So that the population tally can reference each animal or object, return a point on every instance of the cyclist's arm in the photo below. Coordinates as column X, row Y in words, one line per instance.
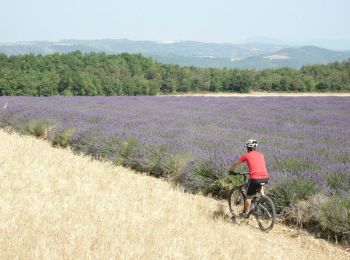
column 235, row 165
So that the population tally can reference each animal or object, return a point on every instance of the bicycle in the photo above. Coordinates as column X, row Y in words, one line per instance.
column 262, row 206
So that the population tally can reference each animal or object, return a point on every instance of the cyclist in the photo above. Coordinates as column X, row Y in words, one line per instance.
column 257, row 172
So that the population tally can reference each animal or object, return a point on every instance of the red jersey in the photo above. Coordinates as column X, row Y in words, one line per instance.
column 256, row 164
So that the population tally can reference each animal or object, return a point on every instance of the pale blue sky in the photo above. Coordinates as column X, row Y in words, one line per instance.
column 201, row 20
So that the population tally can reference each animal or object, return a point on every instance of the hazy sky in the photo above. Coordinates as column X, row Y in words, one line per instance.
column 202, row 20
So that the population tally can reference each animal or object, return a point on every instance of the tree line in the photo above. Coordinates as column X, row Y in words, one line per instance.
column 132, row 74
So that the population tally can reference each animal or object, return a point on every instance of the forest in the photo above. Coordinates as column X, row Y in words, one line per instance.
column 99, row 74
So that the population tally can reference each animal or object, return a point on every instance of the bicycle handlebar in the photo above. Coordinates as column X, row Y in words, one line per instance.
column 239, row 173
column 244, row 174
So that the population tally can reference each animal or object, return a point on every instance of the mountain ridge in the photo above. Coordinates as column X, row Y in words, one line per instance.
column 248, row 55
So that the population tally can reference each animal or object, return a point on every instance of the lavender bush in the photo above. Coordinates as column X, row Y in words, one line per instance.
column 193, row 140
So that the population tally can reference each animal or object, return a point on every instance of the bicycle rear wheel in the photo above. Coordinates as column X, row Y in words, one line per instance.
column 265, row 213
column 236, row 201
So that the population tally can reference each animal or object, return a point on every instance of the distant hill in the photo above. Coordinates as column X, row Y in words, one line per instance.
column 293, row 57
column 177, row 48
column 191, row 53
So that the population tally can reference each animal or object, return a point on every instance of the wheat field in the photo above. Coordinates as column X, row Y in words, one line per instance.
column 58, row 205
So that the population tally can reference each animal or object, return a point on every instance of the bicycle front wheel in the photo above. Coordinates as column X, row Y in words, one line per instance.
column 265, row 213
column 236, row 201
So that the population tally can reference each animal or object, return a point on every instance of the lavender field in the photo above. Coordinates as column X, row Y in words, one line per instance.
column 193, row 140
column 304, row 137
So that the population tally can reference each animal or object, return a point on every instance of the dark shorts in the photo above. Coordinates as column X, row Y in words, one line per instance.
column 255, row 184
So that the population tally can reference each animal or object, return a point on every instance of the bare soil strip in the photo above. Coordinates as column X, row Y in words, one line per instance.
column 265, row 94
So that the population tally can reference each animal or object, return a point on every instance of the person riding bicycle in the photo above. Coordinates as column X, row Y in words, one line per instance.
column 257, row 172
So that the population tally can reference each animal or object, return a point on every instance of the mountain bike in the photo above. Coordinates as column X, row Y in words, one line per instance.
column 262, row 206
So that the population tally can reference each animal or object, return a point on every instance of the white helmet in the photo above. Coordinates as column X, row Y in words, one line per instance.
column 251, row 143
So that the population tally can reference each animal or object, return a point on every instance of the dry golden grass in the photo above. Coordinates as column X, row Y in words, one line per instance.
column 57, row 205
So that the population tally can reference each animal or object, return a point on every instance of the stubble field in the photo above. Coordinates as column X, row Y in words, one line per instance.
column 57, row 205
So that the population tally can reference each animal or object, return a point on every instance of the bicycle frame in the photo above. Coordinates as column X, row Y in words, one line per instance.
column 246, row 183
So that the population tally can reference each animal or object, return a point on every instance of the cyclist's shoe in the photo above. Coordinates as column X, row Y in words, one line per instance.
column 244, row 215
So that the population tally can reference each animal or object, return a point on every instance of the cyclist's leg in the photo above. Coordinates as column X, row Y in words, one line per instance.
column 262, row 183
column 251, row 190
column 247, row 204
column 262, row 190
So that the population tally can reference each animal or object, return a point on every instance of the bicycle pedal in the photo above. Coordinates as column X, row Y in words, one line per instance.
column 237, row 202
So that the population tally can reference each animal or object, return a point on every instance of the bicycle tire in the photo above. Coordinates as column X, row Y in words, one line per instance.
column 265, row 213
column 236, row 201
